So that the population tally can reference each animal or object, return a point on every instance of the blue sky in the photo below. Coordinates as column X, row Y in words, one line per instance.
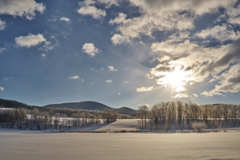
column 120, row 52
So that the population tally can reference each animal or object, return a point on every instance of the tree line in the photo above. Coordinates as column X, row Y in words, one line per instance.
column 179, row 115
column 38, row 119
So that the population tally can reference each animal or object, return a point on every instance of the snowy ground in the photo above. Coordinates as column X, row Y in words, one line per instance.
column 119, row 146
column 121, row 125
column 131, row 125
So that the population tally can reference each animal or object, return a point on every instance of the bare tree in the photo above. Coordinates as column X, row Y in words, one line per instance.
column 143, row 113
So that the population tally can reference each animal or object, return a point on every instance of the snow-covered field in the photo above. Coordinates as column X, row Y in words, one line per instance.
column 6, row 109
column 119, row 146
column 121, row 125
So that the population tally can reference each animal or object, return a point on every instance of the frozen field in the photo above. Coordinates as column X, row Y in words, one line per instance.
column 121, row 124
column 119, row 146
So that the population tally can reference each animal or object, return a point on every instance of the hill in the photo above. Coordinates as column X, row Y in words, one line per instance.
column 86, row 105
column 91, row 105
column 5, row 103
column 126, row 110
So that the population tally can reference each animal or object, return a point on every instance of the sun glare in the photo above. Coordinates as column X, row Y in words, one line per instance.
column 176, row 79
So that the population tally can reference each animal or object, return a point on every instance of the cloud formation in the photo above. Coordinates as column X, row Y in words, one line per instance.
column 233, row 14
column 119, row 39
column 65, row 19
column 44, row 55
column 185, row 47
column 230, row 56
column 1, row 89
column 144, row 89
column 164, row 15
column 182, row 48
column 23, row 8
column 175, row 44
column 228, row 83
column 120, row 19
column 90, row 49
column 112, row 69
column 88, row 8
column 74, row 77
column 181, row 95
column 30, row 40
column 108, row 81
column 219, row 32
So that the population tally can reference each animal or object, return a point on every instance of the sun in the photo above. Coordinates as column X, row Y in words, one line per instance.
column 176, row 79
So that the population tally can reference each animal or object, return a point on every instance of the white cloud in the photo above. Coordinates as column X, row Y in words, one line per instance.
column 164, row 15
column 47, row 46
column 2, row 25
column 181, row 95
column 212, row 64
column 206, row 6
column 234, row 15
column 74, row 77
column 1, row 89
column 207, row 93
column 112, row 69
column 195, row 6
column 92, row 11
column 65, row 19
column 144, row 89
column 90, row 49
column 197, row 62
column 43, row 55
column 200, row 60
column 234, row 20
column 109, row 3
column 108, row 81
column 23, row 8
column 151, row 19
column 195, row 95
column 119, row 39
column 30, row 40
column 219, row 32
column 89, row 7
column 228, row 82
column 120, row 19
column 174, row 48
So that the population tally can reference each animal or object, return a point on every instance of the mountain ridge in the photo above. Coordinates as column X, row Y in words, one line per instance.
column 82, row 105
column 88, row 105
column 92, row 105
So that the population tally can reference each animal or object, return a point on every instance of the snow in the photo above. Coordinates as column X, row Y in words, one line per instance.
column 6, row 109
column 121, row 125
column 119, row 146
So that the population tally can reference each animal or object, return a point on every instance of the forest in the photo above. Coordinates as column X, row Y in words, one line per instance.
column 179, row 115
column 58, row 119
column 165, row 116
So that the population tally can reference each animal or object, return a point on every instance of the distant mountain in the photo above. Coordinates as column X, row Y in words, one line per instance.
column 126, row 110
column 5, row 103
column 91, row 105
column 86, row 105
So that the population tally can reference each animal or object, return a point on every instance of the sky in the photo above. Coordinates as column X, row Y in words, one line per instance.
column 120, row 52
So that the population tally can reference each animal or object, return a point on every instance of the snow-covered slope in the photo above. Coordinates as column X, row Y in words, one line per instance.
column 121, row 125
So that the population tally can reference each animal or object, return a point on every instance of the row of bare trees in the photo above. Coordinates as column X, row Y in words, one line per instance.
column 36, row 119
column 180, row 115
